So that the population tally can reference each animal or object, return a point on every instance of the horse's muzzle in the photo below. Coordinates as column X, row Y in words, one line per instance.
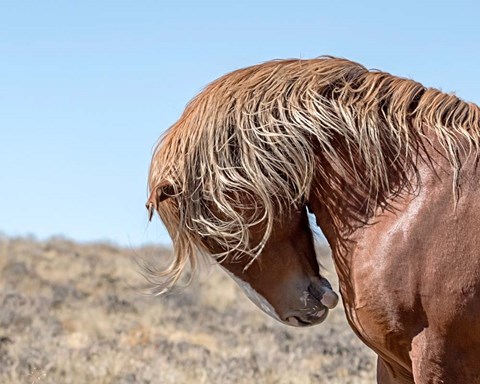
column 317, row 300
column 321, row 290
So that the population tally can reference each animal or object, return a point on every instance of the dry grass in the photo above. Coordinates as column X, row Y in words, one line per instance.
column 73, row 313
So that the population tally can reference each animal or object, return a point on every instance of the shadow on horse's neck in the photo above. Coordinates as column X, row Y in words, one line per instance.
column 347, row 195
column 343, row 206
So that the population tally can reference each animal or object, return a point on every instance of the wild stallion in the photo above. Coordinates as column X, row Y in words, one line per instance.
column 390, row 170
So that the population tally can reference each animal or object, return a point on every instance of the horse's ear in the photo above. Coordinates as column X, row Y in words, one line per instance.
column 161, row 192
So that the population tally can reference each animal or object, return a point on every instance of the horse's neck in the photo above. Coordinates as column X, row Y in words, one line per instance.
column 346, row 195
column 349, row 225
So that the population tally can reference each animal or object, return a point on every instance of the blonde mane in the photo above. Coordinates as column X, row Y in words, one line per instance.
column 255, row 140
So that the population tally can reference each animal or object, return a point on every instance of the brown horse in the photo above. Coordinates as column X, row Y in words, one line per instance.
column 390, row 170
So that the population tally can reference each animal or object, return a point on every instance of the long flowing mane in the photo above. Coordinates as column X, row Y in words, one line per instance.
column 262, row 135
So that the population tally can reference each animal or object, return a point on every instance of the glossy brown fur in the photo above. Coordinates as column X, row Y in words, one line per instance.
column 393, row 182
column 410, row 277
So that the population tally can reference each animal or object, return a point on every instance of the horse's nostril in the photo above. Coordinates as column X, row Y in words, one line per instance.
column 325, row 283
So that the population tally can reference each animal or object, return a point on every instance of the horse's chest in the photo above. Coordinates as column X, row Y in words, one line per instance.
column 402, row 280
column 384, row 322
column 382, row 304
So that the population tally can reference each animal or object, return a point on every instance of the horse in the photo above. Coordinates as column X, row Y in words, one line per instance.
column 389, row 169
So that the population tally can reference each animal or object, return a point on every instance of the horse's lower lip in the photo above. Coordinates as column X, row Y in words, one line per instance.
column 297, row 322
column 309, row 320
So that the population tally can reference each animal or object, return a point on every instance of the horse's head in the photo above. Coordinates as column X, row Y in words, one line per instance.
column 283, row 279
column 237, row 167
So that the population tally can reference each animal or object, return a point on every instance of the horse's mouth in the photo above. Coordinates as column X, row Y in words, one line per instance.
column 308, row 320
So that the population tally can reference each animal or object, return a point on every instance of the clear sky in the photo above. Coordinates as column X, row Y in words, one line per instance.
column 86, row 88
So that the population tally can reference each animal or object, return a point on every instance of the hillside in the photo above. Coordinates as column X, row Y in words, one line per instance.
column 75, row 313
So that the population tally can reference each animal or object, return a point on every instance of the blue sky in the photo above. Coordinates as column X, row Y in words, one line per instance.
column 86, row 88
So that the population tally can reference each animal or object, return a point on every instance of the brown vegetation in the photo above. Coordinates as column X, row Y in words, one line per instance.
column 75, row 313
